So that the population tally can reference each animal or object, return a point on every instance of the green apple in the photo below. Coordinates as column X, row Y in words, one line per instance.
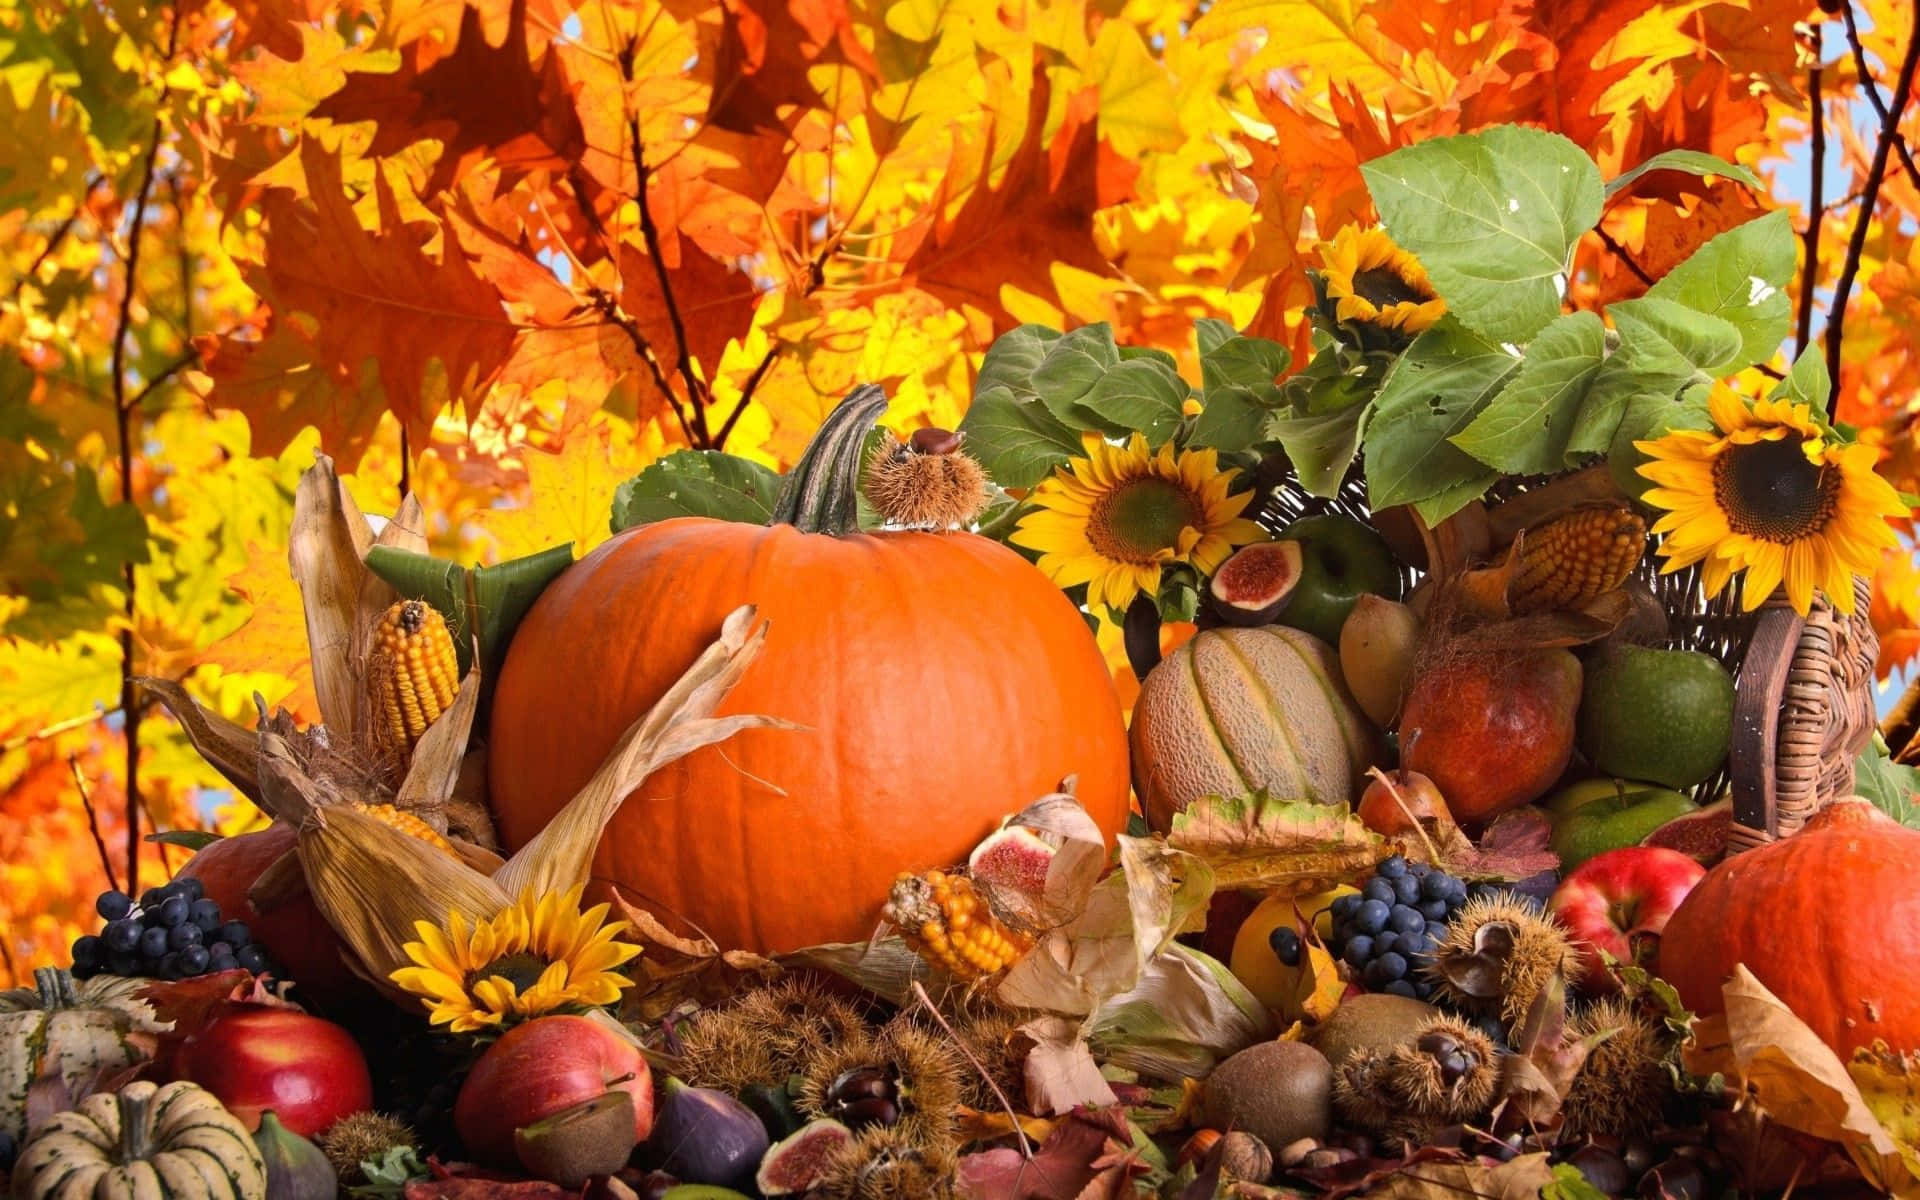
column 1341, row 560
column 1599, row 815
column 1663, row 715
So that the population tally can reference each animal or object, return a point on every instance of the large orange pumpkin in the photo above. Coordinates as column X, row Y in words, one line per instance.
column 1828, row 919
column 943, row 681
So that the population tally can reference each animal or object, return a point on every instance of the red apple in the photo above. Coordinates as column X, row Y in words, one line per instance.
column 310, row 1072
column 1619, row 902
column 541, row 1068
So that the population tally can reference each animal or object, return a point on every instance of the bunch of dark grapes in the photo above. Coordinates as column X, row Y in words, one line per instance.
column 1388, row 931
column 174, row 932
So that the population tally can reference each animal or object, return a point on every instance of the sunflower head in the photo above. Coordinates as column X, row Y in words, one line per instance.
column 1114, row 518
column 538, row 955
column 1771, row 492
column 1371, row 282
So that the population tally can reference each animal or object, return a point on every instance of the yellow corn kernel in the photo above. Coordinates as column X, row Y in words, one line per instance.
column 943, row 918
column 407, row 823
column 415, row 673
column 1576, row 558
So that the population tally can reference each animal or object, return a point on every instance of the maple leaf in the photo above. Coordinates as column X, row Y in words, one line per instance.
column 762, row 52
column 1011, row 233
column 350, row 301
column 273, row 638
column 486, row 100
column 570, row 493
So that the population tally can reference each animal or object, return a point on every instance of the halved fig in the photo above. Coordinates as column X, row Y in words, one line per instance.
column 1252, row 587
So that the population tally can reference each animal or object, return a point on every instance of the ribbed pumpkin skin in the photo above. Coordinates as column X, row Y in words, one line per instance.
column 92, row 1036
column 1236, row 710
column 944, row 680
column 1828, row 919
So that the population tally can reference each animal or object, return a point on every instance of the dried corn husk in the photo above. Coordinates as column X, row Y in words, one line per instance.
column 372, row 882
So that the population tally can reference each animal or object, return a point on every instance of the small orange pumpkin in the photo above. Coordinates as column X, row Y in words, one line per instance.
column 1828, row 919
column 942, row 680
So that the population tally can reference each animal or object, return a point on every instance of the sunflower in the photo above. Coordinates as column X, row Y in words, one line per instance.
column 1767, row 491
column 536, row 955
column 1375, row 282
column 1112, row 519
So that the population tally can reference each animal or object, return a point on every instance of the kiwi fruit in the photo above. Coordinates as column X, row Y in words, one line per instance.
column 1277, row 1091
column 594, row 1138
column 1376, row 1021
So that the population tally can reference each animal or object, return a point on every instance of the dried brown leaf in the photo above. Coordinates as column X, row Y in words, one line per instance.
column 1512, row 848
column 326, row 547
column 1257, row 841
column 1796, row 1079
column 434, row 769
column 1061, row 1074
column 230, row 749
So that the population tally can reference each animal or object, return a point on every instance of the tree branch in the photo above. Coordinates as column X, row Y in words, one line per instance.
column 610, row 309
column 1872, row 91
column 1816, row 199
column 746, row 396
column 54, row 239
column 1870, row 193
column 1620, row 252
column 123, row 412
column 696, row 390
column 93, row 824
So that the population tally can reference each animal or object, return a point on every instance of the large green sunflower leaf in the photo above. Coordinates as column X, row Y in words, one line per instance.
column 1013, row 358
column 1443, row 381
column 1018, row 441
column 1073, row 366
column 1526, row 428
column 1142, row 395
column 1693, row 162
column 1239, row 390
column 697, row 483
column 1740, row 277
column 1493, row 216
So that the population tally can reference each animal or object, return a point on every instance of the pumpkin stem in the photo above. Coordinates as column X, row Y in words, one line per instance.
column 55, row 986
column 136, row 1126
column 822, row 492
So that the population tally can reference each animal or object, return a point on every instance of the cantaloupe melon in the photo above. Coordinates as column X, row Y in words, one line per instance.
column 1234, row 711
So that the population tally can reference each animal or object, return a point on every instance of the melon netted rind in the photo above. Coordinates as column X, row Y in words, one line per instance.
column 1235, row 711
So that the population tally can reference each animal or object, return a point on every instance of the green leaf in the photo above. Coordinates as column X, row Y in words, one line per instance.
column 1139, row 394
column 501, row 594
column 1807, row 382
column 1013, row 358
column 1493, row 216
column 195, row 840
column 1239, row 391
column 1665, row 334
column 1741, row 277
column 1321, row 445
column 1072, row 366
column 1210, row 333
column 1526, row 428
column 388, row 1176
column 697, row 483
column 1893, row 788
column 1648, row 416
column 1442, row 382
column 1693, row 162
column 1569, row 1184
column 1018, row 442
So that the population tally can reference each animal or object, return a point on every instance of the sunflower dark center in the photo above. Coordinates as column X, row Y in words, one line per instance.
column 1384, row 287
column 523, row 970
column 1141, row 517
column 1769, row 491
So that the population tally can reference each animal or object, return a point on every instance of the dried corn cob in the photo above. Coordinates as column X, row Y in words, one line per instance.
column 949, row 925
column 1577, row 557
column 407, row 823
column 414, row 669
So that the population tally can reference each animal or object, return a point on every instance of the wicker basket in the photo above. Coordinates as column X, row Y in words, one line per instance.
column 1803, row 686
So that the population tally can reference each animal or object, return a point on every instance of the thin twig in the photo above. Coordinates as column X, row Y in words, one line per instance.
column 58, row 727
column 54, row 239
column 610, row 309
column 93, row 821
column 1872, row 91
column 1816, row 200
column 1026, row 1147
column 696, row 390
column 1620, row 252
column 123, row 422
column 1870, row 192
column 746, row 396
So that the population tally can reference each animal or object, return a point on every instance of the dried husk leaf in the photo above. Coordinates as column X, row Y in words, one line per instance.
column 1060, row 1072
column 1796, row 1079
column 1182, row 1017
column 231, row 749
column 560, row 855
column 885, row 966
column 438, row 756
column 325, row 545
column 372, row 883
column 1537, row 506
